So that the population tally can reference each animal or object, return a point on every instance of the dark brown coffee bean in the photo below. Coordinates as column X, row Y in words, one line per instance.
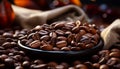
column 89, row 65
column 93, row 31
column 40, row 66
column 71, row 68
column 35, row 44
column 23, row 41
column 36, row 36
column 38, row 61
column 89, row 45
column 61, row 44
column 68, row 33
column 81, row 45
column 9, row 61
column 112, row 61
column 53, row 35
column 52, row 64
column 43, row 32
column 59, row 67
column 78, row 37
column 85, row 28
column 19, row 67
column 37, row 28
column 59, row 25
column 60, row 32
column 76, row 62
column 7, row 45
column 102, row 60
column 70, row 38
column 76, row 29
column 66, row 65
column 75, row 48
column 26, row 64
column 96, row 65
column 104, row 66
column 56, row 49
column 95, row 58
column 65, row 49
column 81, row 66
column 73, row 43
column 46, row 47
column 18, row 57
column 114, row 54
column 8, row 35
column 45, row 38
column 59, row 38
column 29, row 41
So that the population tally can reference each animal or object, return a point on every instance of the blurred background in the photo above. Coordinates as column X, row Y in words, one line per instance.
column 100, row 11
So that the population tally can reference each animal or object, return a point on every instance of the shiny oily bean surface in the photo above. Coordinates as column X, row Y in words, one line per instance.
column 63, row 36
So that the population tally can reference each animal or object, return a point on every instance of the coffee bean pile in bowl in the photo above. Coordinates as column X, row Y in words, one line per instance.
column 68, row 38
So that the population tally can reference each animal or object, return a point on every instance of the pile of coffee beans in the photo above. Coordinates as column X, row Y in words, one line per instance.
column 62, row 36
column 11, row 57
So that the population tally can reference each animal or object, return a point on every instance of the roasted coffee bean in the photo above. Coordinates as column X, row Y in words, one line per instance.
column 26, row 64
column 40, row 66
column 36, row 36
column 60, row 38
column 9, row 61
column 93, row 31
column 61, row 44
column 89, row 45
column 71, row 68
column 38, row 62
column 75, row 48
column 60, row 67
column 114, row 54
column 96, row 65
column 46, row 47
column 81, row 66
column 45, row 38
column 76, row 29
column 8, row 35
column 89, row 65
column 60, row 32
column 7, row 45
column 52, row 64
column 59, row 25
column 61, row 35
column 56, row 49
column 70, row 38
column 95, row 58
column 53, row 35
column 76, row 62
column 19, row 67
column 35, row 44
column 65, row 49
column 104, row 66
column 112, row 61
column 37, row 28
column 43, row 32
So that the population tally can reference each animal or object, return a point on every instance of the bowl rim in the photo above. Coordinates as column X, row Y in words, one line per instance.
column 100, row 43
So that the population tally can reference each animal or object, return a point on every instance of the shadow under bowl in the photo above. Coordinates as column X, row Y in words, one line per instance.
column 61, row 55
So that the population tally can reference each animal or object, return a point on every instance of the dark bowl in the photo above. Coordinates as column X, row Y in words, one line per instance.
column 61, row 55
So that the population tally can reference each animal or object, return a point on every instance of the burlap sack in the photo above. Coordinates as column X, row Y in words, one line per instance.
column 30, row 18
column 111, row 34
